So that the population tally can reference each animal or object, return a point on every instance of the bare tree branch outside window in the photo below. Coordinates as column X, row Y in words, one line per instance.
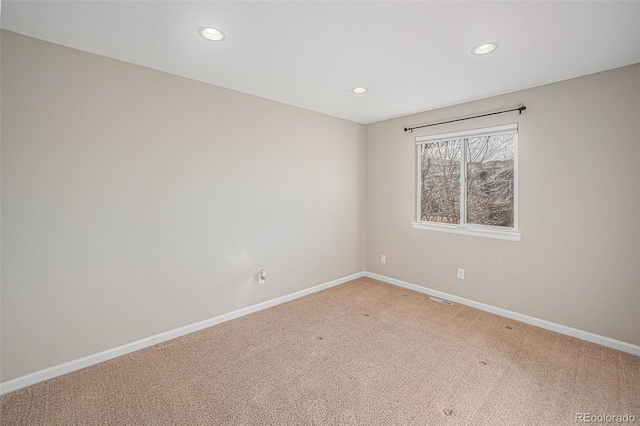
column 441, row 182
column 489, row 185
column 490, row 180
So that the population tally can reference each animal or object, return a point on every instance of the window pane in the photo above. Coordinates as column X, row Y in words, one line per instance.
column 440, row 167
column 490, row 187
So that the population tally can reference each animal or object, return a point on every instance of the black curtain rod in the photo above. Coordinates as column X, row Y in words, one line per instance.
column 522, row 108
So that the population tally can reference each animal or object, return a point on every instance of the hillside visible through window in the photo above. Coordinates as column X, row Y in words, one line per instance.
column 490, row 180
column 487, row 168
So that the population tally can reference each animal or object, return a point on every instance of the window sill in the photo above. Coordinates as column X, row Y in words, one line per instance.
column 476, row 232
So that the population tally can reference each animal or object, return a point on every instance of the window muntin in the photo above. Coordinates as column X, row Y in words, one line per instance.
column 469, row 179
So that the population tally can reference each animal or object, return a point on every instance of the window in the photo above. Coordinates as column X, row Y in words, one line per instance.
column 467, row 182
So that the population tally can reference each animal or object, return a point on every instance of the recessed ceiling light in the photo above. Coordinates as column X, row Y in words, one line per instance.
column 359, row 90
column 211, row 33
column 485, row 48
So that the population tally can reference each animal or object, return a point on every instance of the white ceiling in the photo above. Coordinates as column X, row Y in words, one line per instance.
column 413, row 56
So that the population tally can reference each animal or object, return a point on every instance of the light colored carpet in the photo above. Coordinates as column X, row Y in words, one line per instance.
column 364, row 352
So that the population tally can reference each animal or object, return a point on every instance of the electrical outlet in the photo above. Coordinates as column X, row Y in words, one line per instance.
column 383, row 258
column 262, row 276
column 461, row 273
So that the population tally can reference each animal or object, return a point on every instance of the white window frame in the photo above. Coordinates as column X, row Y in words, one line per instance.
column 498, row 232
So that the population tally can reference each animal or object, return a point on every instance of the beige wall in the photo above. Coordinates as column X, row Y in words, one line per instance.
column 578, row 262
column 135, row 202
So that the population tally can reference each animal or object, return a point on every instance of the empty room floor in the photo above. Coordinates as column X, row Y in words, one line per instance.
column 364, row 352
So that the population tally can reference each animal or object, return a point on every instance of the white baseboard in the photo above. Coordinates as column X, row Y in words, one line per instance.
column 547, row 325
column 87, row 361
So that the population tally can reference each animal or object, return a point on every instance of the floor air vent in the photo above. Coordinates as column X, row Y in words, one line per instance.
column 437, row 299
